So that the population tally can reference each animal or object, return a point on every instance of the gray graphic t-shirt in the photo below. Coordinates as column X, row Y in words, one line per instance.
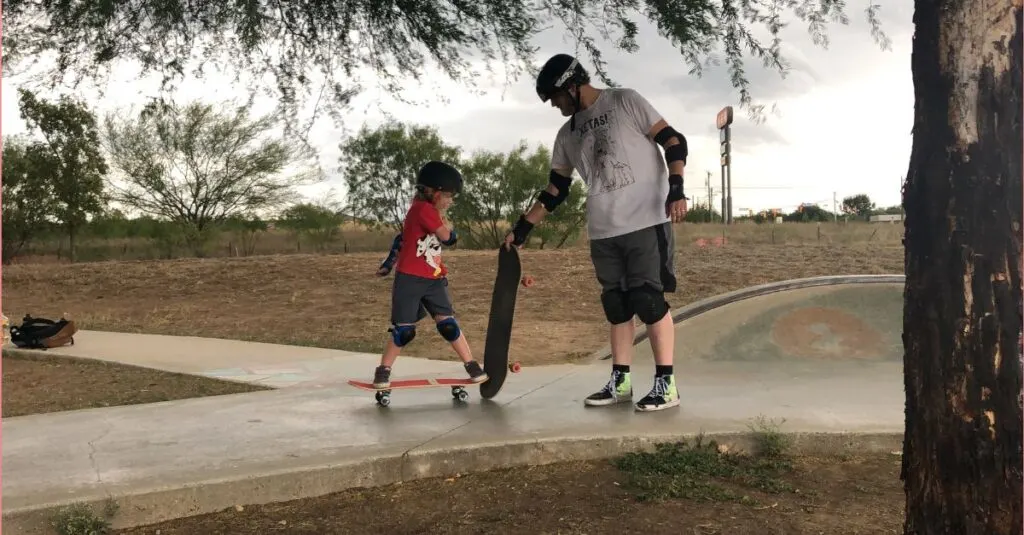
column 625, row 172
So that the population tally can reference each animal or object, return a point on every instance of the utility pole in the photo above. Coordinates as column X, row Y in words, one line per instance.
column 707, row 186
column 835, row 209
column 711, row 199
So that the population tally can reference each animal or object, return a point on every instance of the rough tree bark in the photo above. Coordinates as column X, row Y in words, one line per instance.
column 962, row 316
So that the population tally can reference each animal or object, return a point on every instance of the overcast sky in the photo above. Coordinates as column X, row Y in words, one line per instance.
column 842, row 127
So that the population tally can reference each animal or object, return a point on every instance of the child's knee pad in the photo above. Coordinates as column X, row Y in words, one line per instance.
column 449, row 329
column 402, row 334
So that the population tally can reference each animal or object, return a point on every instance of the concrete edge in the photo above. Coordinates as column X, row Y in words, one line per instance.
column 705, row 305
column 161, row 504
column 18, row 352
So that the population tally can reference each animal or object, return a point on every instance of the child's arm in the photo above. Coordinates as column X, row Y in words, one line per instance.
column 389, row 262
column 446, row 235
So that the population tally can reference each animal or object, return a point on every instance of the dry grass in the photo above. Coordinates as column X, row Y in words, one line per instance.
column 36, row 384
column 335, row 301
column 356, row 238
column 836, row 496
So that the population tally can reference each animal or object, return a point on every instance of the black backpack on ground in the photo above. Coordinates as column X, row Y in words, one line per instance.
column 42, row 333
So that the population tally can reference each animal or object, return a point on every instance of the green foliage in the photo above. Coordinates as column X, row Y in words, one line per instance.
column 197, row 165
column 72, row 163
column 500, row 187
column 313, row 50
column 702, row 472
column 28, row 201
column 859, row 205
column 700, row 213
column 807, row 214
column 80, row 519
column 380, row 167
column 247, row 230
column 319, row 224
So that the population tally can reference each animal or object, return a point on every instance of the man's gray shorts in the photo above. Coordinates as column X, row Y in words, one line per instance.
column 414, row 298
column 642, row 257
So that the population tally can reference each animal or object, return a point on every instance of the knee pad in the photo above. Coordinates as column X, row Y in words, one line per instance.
column 449, row 329
column 617, row 307
column 402, row 334
column 649, row 304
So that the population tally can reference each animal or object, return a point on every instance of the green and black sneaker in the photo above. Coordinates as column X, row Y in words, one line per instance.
column 664, row 395
column 617, row 390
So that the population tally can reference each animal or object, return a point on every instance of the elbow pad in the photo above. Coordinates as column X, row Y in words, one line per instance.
column 562, row 184
column 675, row 153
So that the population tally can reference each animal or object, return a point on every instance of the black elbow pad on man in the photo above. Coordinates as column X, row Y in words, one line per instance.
column 677, row 152
column 563, row 184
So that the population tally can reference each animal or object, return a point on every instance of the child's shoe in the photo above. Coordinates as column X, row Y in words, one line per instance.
column 476, row 373
column 382, row 377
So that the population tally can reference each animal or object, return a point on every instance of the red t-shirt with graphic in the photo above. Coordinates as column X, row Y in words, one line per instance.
column 420, row 254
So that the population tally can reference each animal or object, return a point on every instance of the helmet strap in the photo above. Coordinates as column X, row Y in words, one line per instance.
column 576, row 109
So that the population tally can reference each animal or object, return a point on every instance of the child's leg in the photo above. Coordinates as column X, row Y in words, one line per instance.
column 405, row 312
column 449, row 329
column 438, row 303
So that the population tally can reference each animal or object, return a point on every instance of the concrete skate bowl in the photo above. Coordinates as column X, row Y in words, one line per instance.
column 857, row 318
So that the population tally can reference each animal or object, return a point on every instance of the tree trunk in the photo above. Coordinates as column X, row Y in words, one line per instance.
column 962, row 315
column 71, row 243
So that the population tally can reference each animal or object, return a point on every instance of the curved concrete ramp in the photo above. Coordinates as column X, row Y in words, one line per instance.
column 822, row 319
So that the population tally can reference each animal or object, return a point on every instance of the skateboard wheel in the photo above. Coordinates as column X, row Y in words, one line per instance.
column 462, row 395
column 384, row 401
column 515, row 367
column 527, row 281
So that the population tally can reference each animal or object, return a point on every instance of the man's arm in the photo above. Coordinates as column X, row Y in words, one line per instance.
column 666, row 136
column 559, row 184
column 676, row 151
column 648, row 120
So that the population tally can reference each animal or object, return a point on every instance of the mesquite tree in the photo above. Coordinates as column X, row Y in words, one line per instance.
column 962, row 315
column 305, row 51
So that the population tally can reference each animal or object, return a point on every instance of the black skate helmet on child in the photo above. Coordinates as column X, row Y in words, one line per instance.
column 558, row 74
column 439, row 176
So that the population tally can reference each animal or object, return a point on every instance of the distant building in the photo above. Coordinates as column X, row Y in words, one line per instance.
column 886, row 218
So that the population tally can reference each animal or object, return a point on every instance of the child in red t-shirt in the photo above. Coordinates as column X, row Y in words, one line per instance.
column 421, row 283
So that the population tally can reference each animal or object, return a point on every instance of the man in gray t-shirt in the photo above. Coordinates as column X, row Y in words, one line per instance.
column 634, row 193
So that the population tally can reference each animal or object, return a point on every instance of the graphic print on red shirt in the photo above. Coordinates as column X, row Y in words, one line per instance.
column 421, row 249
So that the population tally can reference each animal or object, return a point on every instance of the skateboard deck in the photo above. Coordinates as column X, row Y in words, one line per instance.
column 383, row 395
column 499, row 323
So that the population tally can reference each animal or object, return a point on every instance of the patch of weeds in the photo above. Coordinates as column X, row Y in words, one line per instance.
column 768, row 440
column 702, row 472
column 80, row 519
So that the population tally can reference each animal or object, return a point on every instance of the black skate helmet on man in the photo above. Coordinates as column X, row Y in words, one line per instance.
column 440, row 176
column 558, row 74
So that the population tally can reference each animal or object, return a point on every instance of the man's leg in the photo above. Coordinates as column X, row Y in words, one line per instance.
column 406, row 294
column 438, row 302
column 662, row 333
column 610, row 268
column 649, row 276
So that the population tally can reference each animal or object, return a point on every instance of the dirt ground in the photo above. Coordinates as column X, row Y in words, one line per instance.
column 834, row 496
column 48, row 383
column 335, row 301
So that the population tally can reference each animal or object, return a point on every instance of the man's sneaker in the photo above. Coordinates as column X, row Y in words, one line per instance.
column 663, row 396
column 617, row 390
column 382, row 377
column 476, row 373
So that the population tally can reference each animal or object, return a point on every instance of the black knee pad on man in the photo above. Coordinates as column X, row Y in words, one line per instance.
column 648, row 304
column 617, row 306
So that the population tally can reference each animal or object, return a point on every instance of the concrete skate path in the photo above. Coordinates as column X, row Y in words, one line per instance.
column 787, row 354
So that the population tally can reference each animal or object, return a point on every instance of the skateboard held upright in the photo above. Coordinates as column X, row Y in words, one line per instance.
column 499, row 324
